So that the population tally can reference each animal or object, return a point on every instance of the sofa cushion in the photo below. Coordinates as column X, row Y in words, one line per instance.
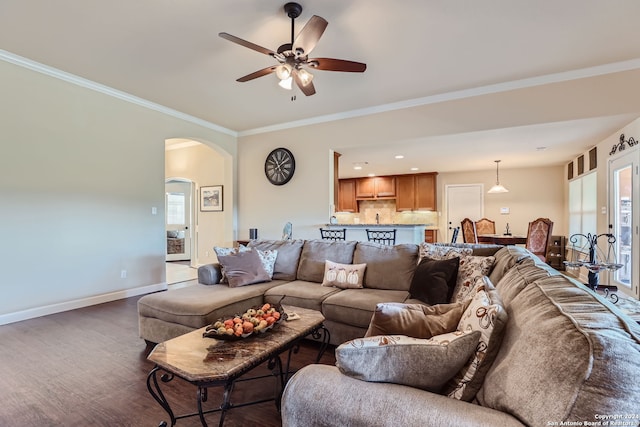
column 300, row 293
column 316, row 252
column 434, row 280
column 486, row 314
column 567, row 355
column 422, row 363
column 519, row 276
column 388, row 267
column 199, row 305
column 507, row 257
column 415, row 320
column 441, row 251
column 471, row 269
column 343, row 276
column 243, row 268
column 287, row 259
column 355, row 307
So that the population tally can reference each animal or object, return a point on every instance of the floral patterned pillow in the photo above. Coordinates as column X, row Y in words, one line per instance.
column 267, row 258
column 471, row 269
column 422, row 363
column 343, row 276
column 487, row 315
column 429, row 250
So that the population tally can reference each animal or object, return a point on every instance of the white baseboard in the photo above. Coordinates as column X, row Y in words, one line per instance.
column 79, row 303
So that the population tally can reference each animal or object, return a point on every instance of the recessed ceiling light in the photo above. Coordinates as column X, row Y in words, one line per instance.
column 541, row 148
column 399, row 156
column 357, row 167
column 414, row 169
column 371, row 174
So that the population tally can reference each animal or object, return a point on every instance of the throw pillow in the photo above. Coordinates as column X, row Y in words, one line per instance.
column 425, row 364
column 434, row 280
column 243, row 268
column 470, row 270
column 415, row 320
column 343, row 276
column 267, row 257
column 487, row 315
column 429, row 250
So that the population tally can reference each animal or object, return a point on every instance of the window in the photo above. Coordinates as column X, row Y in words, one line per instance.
column 583, row 206
column 175, row 209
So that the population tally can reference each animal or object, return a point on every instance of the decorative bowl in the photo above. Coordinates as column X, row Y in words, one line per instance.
column 233, row 328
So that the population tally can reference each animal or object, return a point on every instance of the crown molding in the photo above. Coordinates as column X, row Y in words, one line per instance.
column 97, row 87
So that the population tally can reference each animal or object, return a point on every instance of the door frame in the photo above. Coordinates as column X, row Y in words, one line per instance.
column 192, row 229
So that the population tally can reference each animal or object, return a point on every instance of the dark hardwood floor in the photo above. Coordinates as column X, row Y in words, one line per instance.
column 87, row 367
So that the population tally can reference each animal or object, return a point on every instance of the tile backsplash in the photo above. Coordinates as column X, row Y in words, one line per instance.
column 386, row 209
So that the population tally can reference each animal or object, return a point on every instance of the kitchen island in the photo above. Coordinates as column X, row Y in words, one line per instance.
column 405, row 233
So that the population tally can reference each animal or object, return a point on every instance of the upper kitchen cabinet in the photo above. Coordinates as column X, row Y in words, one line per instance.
column 416, row 192
column 378, row 187
column 347, row 196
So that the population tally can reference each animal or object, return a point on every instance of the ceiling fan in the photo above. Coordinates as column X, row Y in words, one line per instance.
column 293, row 57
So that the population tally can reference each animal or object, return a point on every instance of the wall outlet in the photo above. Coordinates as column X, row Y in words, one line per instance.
column 154, row 211
column 123, row 274
column 206, row 254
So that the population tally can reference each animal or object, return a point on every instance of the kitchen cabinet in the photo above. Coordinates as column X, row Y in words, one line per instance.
column 378, row 187
column 416, row 192
column 430, row 236
column 347, row 196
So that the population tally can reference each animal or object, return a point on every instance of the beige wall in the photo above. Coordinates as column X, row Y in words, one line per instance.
column 205, row 167
column 533, row 193
column 79, row 174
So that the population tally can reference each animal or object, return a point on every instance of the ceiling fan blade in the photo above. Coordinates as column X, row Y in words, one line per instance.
column 250, row 45
column 309, row 36
column 331, row 64
column 257, row 74
column 309, row 89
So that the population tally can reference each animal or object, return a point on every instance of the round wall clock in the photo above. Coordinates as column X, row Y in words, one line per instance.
column 279, row 166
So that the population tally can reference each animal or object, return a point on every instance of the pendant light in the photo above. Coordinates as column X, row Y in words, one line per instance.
column 497, row 188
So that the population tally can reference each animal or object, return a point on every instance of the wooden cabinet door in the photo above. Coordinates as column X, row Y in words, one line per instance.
column 385, row 186
column 430, row 236
column 365, row 188
column 425, row 194
column 405, row 192
column 347, row 196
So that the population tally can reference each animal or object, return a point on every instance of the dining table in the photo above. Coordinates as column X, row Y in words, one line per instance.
column 502, row 239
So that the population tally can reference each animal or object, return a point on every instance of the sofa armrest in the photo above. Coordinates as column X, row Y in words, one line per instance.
column 209, row 274
column 319, row 395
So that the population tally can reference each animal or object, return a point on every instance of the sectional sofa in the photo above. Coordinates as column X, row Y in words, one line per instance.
column 297, row 277
column 566, row 356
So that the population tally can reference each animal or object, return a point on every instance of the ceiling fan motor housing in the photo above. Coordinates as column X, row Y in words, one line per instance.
column 293, row 10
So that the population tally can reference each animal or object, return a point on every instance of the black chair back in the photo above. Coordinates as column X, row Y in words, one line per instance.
column 333, row 233
column 386, row 237
column 454, row 234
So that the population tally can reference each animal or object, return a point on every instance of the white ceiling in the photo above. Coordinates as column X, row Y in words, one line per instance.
column 491, row 79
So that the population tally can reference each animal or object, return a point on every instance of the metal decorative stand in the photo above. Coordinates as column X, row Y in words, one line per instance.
column 596, row 262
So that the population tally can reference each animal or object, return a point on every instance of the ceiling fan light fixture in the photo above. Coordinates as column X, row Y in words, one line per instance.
column 305, row 76
column 283, row 71
column 286, row 83
column 498, row 188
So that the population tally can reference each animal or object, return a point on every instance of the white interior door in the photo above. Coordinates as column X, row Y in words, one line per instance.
column 623, row 218
column 178, row 217
column 463, row 201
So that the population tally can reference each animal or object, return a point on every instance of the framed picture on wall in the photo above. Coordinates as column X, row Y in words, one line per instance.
column 211, row 198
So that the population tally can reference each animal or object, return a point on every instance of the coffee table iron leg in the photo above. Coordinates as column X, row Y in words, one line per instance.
column 154, row 389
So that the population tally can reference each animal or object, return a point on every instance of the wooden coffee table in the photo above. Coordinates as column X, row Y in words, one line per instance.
column 208, row 362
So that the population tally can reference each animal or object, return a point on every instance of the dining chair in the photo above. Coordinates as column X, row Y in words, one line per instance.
column 539, row 237
column 454, row 234
column 485, row 226
column 333, row 234
column 469, row 234
column 386, row 237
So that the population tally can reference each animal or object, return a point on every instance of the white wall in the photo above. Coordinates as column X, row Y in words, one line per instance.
column 79, row 174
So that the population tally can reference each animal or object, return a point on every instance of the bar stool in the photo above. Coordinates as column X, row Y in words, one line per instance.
column 385, row 237
column 333, row 234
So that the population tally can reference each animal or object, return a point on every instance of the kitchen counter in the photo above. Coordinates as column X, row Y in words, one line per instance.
column 405, row 233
